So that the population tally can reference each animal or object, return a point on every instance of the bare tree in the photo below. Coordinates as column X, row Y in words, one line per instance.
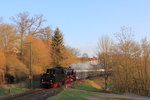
column 104, row 54
column 145, row 45
column 125, row 37
column 45, row 34
column 27, row 25
column 8, row 37
column 130, row 62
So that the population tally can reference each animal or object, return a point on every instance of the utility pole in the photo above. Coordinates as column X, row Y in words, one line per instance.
column 30, row 65
column 31, row 77
column 30, row 58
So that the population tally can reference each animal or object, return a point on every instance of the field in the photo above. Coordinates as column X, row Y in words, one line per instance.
column 88, row 89
column 69, row 94
column 11, row 89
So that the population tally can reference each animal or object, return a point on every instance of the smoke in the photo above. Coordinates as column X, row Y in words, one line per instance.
column 82, row 66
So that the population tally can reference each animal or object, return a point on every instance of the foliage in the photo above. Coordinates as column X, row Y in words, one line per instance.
column 69, row 56
column 40, row 55
column 8, row 37
column 57, row 47
column 129, row 61
column 17, row 69
column 2, row 67
column 72, row 95
column 2, row 60
column 84, row 58
column 47, row 50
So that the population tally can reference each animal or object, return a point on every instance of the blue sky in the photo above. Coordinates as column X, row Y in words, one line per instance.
column 83, row 22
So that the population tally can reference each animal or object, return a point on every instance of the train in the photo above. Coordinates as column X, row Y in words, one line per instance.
column 58, row 76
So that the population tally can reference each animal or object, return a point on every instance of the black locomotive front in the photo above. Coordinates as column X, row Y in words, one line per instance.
column 57, row 76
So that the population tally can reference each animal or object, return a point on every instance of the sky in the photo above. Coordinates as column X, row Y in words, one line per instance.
column 84, row 22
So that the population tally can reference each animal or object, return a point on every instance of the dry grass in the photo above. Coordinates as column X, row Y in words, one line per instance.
column 93, row 84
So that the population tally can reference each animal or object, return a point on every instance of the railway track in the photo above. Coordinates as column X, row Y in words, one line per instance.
column 40, row 93
column 36, row 94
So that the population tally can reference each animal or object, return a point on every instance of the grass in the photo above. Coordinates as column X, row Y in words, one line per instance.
column 10, row 89
column 68, row 94
column 2, row 91
column 94, row 84
column 85, row 86
column 36, row 84
column 90, row 85
column 116, row 99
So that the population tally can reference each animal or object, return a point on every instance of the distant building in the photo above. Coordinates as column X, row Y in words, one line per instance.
column 92, row 60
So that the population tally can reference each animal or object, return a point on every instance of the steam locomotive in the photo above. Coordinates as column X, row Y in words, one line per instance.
column 57, row 76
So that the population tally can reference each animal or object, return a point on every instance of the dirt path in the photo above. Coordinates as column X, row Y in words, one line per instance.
column 103, row 95
column 129, row 96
